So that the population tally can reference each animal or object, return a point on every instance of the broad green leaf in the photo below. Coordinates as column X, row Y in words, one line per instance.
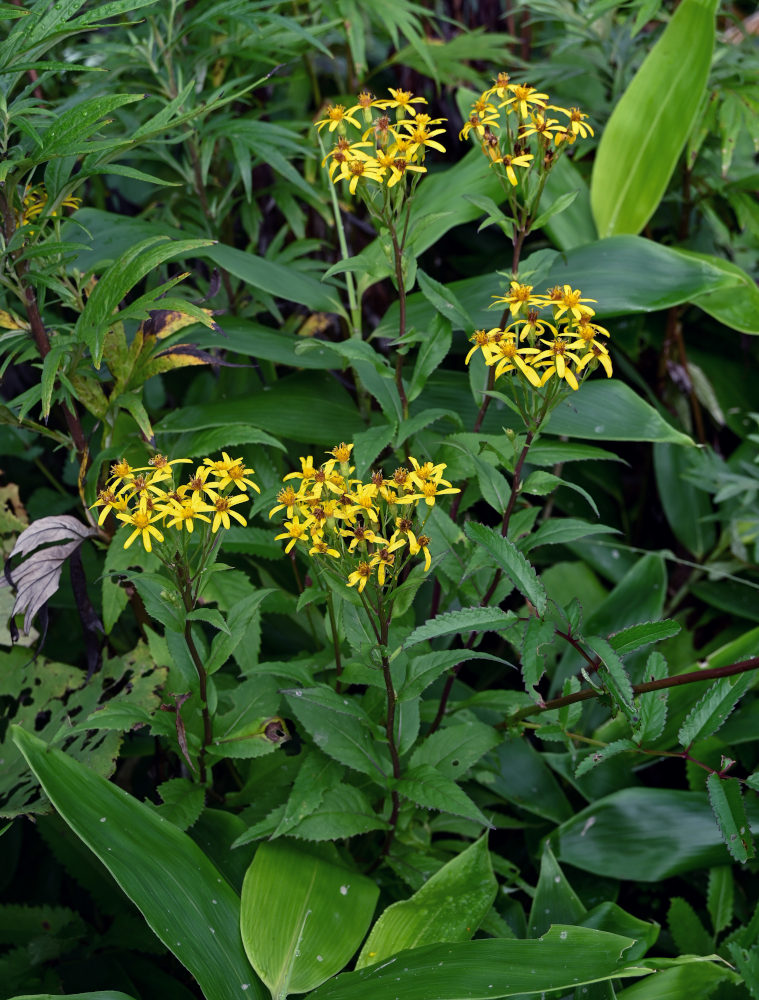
column 652, row 706
column 611, row 411
column 747, row 963
column 432, row 352
column 509, row 559
column 316, row 775
column 696, row 981
column 574, row 226
column 427, row 667
column 302, row 916
column 642, row 141
column 450, row 906
column 555, row 901
column 726, row 798
column 426, row 787
column 687, row 508
column 564, row 958
column 464, row 620
column 736, row 306
column 720, row 896
column 637, row 636
column 643, row 834
column 517, row 773
column 713, row 707
column 343, row 812
column 183, row 898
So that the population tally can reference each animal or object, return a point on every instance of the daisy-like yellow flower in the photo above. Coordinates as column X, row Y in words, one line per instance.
column 509, row 162
column 361, row 576
column 343, row 152
column 337, row 115
column 481, row 339
column 479, row 124
column 577, row 123
column 399, row 167
column 119, row 471
column 366, row 101
column 523, row 95
column 570, row 301
column 142, row 485
column 360, row 535
column 419, row 543
column 237, row 473
column 428, row 492
column 597, row 353
column 531, row 327
column 506, row 357
column 363, row 500
column 499, row 88
column 142, row 521
column 341, row 452
column 295, row 530
column 556, row 359
column 403, row 101
column 357, row 170
column 427, row 472
column 287, row 500
column 422, row 137
column 322, row 480
column 307, row 471
column 183, row 514
column 109, row 501
column 384, row 560
column 197, row 483
column 35, row 200
column 321, row 548
column 518, row 299
column 543, row 127
column 223, row 509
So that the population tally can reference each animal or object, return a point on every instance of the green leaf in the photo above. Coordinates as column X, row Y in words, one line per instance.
column 736, row 306
column 426, row 668
column 239, row 618
column 464, row 620
column 689, row 934
column 182, row 802
column 454, row 749
column 720, row 896
column 539, row 637
column 555, row 901
column 642, row 141
column 302, row 916
column 316, row 775
column 688, row 509
column 558, row 530
column 564, row 958
column 508, row 558
column 426, row 787
column 696, row 981
column 574, row 226
column 444, row 301
column 96, row 995
column 596, row 757
column 672, row 832
column 344, row 811
column 713, row 707
column 69, row 129
column 432, row 352
column 611, row 411
column 637, row 636
column 450, row 906
column 726, row 798
column 517, row 773
column 652, row 706
column 747, row 963
column 185, row 901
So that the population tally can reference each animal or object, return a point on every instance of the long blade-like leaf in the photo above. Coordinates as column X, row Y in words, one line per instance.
column 183, row 897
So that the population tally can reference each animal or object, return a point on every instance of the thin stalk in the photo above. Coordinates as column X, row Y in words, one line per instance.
column 389, row 730
column 186, row 588
column 335, row 641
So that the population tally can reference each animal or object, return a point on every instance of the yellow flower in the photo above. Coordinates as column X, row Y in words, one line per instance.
column 359, row 535
column 363, row 500
column 384, row 560
column 499, row 88
column 198, row 482
column 307, row 471
column 577, row 123
column 506, row 356
column 322, row 549
column 523, row 96
column 222, row 506
column 421, row 136
column 597, row 352
column 428, row 492
column 403, row 101
column 519, row 298
column 531, row 327
column 357, row 170
column 360, row 576
column 541, row 126
column 236, row 473
column 343, row 152
column 288, row 498
column 119, row 471
column 481, row 339
column 108, row 500
column 555, row 357
column 419, row 544
column 509, row 162
column 142, row 522
column 341, row 452
column 336, row 115
column 399, row 167
column 570, row 300
column 182, row 515
column 427, row 473
column 479, row 124
column 295, row 530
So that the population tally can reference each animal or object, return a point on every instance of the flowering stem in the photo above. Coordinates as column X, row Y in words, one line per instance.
column 384, row 623
column 335, row 640
column 398, row 258
column 187, row 597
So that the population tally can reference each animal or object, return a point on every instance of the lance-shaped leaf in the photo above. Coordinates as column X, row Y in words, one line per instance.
column 36, row 579
column 512, row 562
column 649, row 127
column 726, row 799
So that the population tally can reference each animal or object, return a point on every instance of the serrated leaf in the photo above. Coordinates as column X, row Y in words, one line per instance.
column 713, row 707
column 424, row 669
column 726, row 798
column 689, row 934
column 603, row 753
column 182, row 802
column 747, row 963
column 456, row 748
column 316, row 775
column 652, row 705
column 450, row 906
column 302, row 916
column 719, row 897
column 537, row 635
column 426, row 787
column 563, row 529
column 637, row 636
column 512, row 562
column 464, row 620
column 614, row 675
column 343, row 812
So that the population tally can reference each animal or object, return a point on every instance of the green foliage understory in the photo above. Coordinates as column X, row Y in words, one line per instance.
column 375, row 622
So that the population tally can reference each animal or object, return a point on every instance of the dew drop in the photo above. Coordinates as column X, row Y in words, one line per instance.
column 344, row 890
column 557, row 878
column 319, row 958
column 214, row 902
column 211, row 929
column 599, row 428
column 244, row 986
column 563, row 936
column 102, row 819
column 298, row 694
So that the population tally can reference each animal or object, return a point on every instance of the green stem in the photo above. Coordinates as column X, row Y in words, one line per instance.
column 335, row 641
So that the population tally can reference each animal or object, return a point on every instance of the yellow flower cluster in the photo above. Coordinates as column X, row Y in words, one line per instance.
column 34, row 201
column 383, row 147
column 145, row 496
column 369, row 526
column 508, row 115
column 571, row 331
